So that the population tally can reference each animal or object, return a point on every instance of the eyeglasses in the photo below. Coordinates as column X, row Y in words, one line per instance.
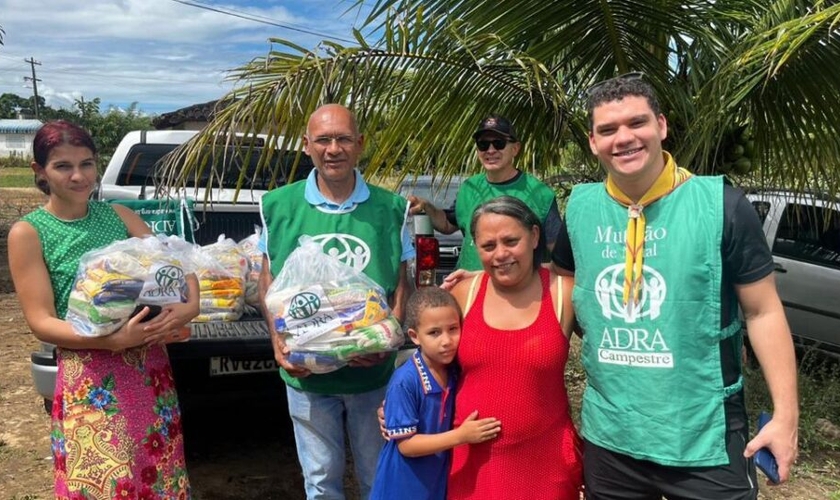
column 344, row 141
column 634, row 75
column 498, row 144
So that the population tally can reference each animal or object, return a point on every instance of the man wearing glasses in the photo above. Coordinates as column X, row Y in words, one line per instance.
column 662, row 260
column 363, row 226
column 496, row 147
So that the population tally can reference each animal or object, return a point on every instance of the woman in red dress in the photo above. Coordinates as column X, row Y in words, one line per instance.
column 513, row 352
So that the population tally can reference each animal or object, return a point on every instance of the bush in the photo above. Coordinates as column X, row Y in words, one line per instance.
column 15, row 162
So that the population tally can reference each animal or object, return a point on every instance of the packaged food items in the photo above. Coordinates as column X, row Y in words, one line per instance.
column 328, row 311
column 221, row 271
column 250, row 248
column 114, row 281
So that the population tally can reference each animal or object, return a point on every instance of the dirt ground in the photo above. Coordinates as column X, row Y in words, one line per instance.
column 240, row 453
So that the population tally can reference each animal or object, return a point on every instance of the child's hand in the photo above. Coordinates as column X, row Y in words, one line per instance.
column 479, row 431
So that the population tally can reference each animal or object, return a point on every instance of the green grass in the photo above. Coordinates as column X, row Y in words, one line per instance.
column 16, row 177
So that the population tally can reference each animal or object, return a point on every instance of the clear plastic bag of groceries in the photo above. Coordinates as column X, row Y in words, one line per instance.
column 328, row 311
column 114, row 281
column 249, row 247
column 221, row 271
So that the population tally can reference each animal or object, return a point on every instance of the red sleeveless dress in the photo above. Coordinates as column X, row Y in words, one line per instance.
column 517, row 377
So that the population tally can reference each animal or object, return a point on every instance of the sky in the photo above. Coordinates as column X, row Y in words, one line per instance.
column 162, row 54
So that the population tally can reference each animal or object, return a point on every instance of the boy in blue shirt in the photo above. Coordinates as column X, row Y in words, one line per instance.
column 420, row 402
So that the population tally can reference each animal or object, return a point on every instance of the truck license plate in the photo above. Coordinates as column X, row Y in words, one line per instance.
column 222, row 365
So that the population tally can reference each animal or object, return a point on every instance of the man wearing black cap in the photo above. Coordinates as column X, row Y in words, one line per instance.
column 496, row 146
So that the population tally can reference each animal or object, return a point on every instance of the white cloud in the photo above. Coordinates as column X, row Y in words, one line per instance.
column 160, row 53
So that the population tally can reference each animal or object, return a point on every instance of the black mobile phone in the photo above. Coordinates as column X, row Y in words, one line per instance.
column 154, row 310
column 764, row 459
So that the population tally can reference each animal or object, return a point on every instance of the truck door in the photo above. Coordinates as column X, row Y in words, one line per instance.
column 806, row 250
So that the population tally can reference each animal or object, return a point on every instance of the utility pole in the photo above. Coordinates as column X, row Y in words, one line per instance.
column 32, row 62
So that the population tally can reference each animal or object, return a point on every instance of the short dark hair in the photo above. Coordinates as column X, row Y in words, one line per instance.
column 426, row 298
column 52, row 135
column 517, row 210
column 618, row 88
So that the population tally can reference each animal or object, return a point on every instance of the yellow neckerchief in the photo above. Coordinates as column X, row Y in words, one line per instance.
column 671, row 177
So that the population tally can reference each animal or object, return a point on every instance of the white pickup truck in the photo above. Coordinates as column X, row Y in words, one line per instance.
column 803, row 232
column 235, row 358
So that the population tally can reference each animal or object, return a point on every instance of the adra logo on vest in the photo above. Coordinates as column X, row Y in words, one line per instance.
column 622, row 344
column 609, row 289
column 347, row 248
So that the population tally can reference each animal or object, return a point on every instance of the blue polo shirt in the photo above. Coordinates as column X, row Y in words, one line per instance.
column 414, row 404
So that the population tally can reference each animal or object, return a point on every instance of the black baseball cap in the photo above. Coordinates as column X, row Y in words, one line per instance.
column 497, row 124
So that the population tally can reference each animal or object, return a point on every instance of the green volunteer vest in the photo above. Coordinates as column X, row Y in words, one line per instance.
column 64, row 242
column 477, row 190
column 654, row 380
column 368, row 237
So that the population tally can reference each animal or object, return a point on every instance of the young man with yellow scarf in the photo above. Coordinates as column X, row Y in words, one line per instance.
column 662, row 259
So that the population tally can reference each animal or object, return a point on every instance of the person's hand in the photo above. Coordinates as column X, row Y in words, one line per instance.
column 281, row 353
column 456, row 277
column 134, row 333
column 417, row 205
column 168, row 325
column 368, row 360
column 782, row 440
column 380, row 415
column 475, row 430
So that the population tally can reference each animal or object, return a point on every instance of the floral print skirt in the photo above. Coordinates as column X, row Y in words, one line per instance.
column 116, row 426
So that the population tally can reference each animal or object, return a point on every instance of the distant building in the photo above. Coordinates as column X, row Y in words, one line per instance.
column 16, row 136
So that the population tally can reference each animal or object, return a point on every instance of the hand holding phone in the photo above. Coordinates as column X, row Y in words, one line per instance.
column 154, row 310
column 764, row 459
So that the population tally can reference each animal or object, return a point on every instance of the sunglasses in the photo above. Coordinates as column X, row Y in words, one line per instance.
column 635, row 75
column 498, row 144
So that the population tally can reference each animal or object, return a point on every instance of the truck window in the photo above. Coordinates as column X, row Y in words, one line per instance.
column 809, row 234
column 143, row 163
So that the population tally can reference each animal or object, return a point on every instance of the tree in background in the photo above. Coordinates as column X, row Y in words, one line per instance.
column 107, row 128
column 735, row 77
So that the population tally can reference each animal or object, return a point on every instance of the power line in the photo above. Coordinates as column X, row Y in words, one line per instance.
column 263, row 20
column 15, row 59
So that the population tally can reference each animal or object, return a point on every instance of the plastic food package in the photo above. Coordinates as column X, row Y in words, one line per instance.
column 328, row 311
column 221, row 271
column 112, row 281
column 250, row 248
